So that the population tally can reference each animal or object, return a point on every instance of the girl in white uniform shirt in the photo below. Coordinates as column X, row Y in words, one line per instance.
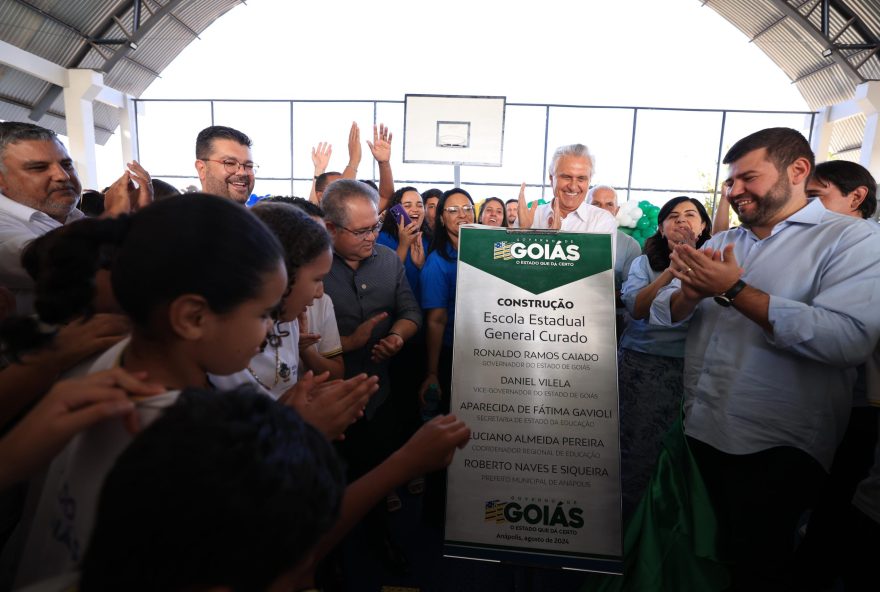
column 199, row 278
column 307, row 258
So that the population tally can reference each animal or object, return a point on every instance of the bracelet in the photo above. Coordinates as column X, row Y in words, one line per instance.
column 348, row 166
column 398, row 334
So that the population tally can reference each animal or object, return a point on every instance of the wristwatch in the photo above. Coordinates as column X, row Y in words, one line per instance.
column 726, row 298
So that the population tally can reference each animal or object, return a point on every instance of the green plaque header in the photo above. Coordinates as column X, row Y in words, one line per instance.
column 536, row 261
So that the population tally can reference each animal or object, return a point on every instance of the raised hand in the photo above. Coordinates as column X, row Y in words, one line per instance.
column 354, row 146
column 406, row 233
column 130, row 192
column 321, row 157
column 381, row 144
column 417, row 251
column 526, row 212
column 556, row 216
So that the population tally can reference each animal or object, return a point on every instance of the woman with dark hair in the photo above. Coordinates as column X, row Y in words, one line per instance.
column 493, row 213
column 454, row 209
column 651, row 359
column 409, row 241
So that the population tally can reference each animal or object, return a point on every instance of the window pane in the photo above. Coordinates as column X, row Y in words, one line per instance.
column 268, row 126
column 606, row 132
column 522, row 159
column 167, row 133
column 330, row 122
column 676, row 150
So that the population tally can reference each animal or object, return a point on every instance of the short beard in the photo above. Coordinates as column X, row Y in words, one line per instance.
column 769, row 204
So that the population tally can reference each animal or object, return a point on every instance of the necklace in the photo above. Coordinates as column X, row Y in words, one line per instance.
column 282, row 370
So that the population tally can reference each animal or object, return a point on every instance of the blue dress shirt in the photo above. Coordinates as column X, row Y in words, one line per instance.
column 746, row 390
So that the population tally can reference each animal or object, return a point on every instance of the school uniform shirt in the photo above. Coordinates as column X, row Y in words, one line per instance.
column 322, row 320
column 439, row 278
column 748, row 391
column 65, row 513
column 273, row 370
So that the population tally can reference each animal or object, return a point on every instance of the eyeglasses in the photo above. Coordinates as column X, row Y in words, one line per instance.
column 232, row 166
column 455, row 209
column 363, row 233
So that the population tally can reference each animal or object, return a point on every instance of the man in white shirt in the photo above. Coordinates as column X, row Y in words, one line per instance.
column 39, row 190
column 570, row 171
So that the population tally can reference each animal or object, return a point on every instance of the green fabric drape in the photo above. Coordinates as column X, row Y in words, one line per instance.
column 670, row 542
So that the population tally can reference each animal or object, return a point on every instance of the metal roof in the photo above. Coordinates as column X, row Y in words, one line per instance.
column 826, row 48
column 130, row 41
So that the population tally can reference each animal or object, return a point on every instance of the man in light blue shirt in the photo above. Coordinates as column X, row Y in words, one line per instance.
column 781, row 309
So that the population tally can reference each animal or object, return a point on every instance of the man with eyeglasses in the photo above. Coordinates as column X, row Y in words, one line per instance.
column 376, row 313
column 375, row 308
column 224, row 163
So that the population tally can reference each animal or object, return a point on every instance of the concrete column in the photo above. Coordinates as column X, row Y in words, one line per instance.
column 867, row 96
column 128, row 131
column 82, row 89
column 870, row 157
column 821, row 136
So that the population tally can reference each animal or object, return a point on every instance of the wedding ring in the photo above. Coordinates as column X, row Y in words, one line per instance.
column 688, row 270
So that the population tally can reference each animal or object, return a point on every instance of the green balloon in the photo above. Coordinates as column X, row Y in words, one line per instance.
column 645, row 205
column 644, row 223
column 626, row 230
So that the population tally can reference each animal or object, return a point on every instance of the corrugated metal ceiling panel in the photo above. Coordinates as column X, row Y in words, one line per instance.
column 84, row 16
column 159, row 44
column 795, row 49
column 199, row 14
column 847, row 134
column 19, row 86
column 19, row 24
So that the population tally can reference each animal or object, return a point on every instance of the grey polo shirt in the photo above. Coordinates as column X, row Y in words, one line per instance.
column 378, row 285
